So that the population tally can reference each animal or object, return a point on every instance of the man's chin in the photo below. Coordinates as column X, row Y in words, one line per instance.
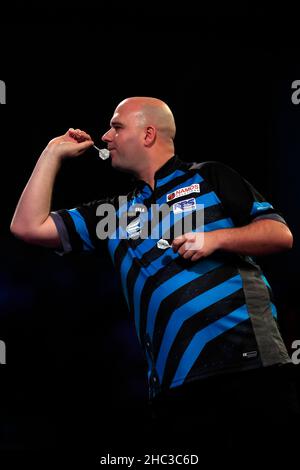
column 117, row 167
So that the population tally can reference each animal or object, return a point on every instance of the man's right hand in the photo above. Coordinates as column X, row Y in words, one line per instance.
column 72, row 144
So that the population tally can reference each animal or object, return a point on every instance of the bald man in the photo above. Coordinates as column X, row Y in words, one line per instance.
column 201, row 305
column 141, row 138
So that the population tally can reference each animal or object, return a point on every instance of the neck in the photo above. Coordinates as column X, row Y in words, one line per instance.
column 147, row 174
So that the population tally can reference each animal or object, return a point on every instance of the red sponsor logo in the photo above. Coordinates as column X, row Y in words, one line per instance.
column 193, row 188
column 171, row 196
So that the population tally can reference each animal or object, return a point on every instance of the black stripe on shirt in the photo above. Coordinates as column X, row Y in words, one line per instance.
column 228, row 352
column 196, row 323
column 75, row 240
column 185, row 294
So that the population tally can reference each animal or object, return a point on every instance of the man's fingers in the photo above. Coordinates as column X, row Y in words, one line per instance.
column 177, row 242
column 78, row 135
column 187, row 254
column 71, row 132
column 84, row 145
column 190, row 241
column 189, row 245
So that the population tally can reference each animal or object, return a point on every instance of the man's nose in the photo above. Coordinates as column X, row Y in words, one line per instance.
column 106, row 137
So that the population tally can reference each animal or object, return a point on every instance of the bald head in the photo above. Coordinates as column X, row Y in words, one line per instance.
column 151, row 111
column 141, row 136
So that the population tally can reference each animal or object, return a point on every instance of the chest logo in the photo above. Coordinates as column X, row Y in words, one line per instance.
column 193, row 188
column 134, row 228
column 184, row 206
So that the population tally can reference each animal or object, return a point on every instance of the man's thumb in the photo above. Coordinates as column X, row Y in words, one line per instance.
column 85, row 145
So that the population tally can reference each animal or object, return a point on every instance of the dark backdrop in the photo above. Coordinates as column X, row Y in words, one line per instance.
column 75, row 375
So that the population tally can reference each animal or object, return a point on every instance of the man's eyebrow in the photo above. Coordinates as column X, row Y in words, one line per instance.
column 115, row 123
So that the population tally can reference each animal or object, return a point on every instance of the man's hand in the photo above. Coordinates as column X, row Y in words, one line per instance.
column 196, row 245
column 260, row 237
column 32, row 221
column 72, row 144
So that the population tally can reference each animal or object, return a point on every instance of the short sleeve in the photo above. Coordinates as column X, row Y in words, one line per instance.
column 240, row 200
column 77, row 227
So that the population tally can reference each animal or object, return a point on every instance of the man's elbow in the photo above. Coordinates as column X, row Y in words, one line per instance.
column 14, row 229
column 21, row 232
column 289, row 241
column 286, row 239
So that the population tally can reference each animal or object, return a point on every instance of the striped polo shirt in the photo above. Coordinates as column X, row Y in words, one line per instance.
column 193, row 319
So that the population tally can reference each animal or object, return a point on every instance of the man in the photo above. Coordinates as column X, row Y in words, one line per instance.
column 202, row 307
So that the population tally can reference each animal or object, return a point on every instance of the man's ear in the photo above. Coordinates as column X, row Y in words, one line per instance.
column 150, row 136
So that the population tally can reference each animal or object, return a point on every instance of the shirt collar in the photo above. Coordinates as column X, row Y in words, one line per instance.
column 169, row 167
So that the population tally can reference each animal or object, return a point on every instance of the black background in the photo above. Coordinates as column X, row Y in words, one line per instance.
column 75, row 377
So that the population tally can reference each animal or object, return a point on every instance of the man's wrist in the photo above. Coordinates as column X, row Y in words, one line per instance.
column 53, row 155
column 222, row 238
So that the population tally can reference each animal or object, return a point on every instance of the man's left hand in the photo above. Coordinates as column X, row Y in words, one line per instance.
column 196, row 245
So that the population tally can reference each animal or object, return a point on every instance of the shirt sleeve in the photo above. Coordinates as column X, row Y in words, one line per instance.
column 77, row 227
column 240, row 200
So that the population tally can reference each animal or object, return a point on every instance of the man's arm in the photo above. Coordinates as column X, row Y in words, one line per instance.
column 31, row 221
column 261, row 237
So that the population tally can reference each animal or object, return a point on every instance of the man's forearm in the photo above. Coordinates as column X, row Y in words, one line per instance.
column 262, row 237
column 35, row 202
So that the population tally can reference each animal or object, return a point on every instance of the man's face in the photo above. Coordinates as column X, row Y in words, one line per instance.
column 125, row 139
